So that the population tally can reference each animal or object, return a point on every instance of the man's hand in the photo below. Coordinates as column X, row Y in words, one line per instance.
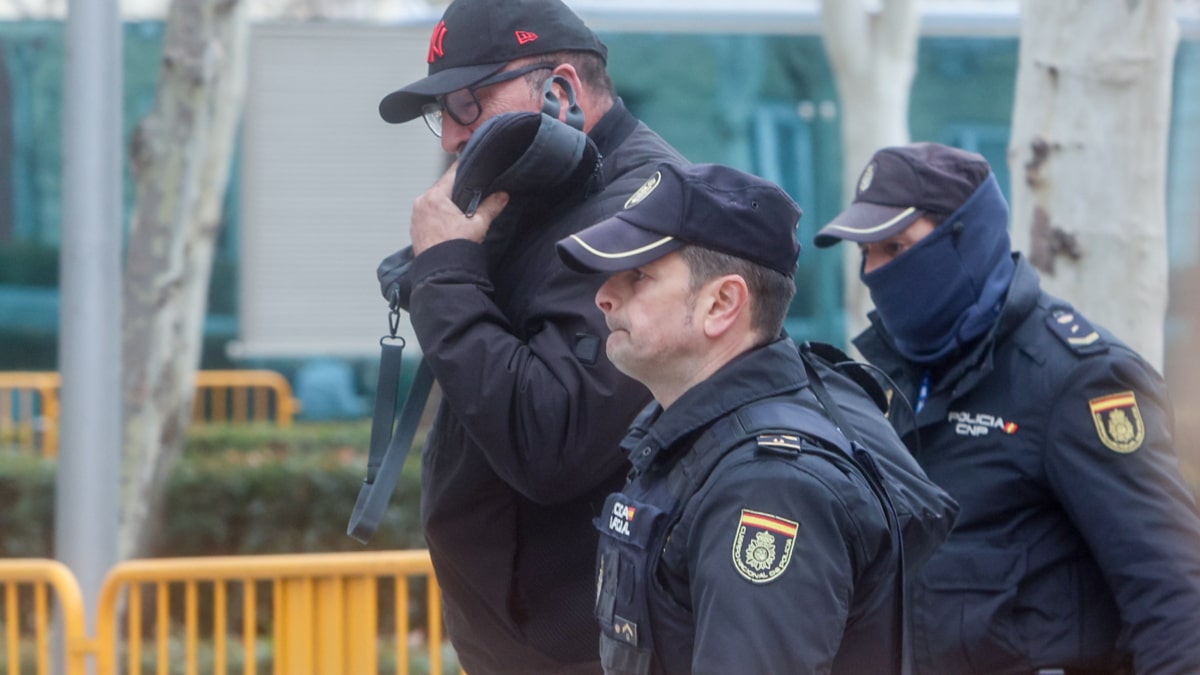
column 435, row 218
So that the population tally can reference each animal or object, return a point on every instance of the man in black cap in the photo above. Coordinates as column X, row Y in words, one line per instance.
column 523, row 449
column 749, row 538
column 1078, row 546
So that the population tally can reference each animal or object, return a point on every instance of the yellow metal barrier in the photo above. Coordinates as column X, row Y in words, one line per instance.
column 312, row 614
column 29, row 410
column 28, row 588
column 244, row 396
column 29, row 407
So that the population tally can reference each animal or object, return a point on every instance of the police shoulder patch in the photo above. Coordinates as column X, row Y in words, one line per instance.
column 1075, row 332
column 1118, row 421
column 779, row 443
column 762, row 545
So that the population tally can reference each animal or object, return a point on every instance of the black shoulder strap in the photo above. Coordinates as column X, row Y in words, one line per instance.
column 747, row 423
column 390, row 440
column 389, row 449
column 835, row 358
column 874, row 476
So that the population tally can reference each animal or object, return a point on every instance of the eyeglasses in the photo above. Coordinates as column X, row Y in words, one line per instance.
column 462, row 105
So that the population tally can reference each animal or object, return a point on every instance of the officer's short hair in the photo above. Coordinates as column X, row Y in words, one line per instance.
column 770, row 292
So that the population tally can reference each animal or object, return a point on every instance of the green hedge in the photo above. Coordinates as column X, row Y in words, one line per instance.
column 237, row 490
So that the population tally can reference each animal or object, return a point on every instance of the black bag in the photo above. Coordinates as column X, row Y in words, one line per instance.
column 925, row 511
column 526, row 151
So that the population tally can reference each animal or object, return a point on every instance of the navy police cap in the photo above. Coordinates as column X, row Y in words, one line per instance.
column 707, row 205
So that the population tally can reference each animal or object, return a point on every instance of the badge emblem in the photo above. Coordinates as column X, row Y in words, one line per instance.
column 1118, row 421
column 868, row 175
column 645, row 190
column 762, row 546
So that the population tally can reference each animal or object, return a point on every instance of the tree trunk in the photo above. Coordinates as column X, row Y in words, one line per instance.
column 1088, row 158
column 873, row 55
column 181, row 155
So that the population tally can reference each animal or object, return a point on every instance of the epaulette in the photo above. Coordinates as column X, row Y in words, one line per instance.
column 1075, row 332
column 779, row 444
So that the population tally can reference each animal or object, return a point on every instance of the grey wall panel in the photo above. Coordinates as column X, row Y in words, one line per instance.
column 328, row 186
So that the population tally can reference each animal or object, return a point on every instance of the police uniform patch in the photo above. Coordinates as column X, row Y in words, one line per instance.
column 625, row 630
column 868, row 175
column 788, row 444
column 762, row 546
column 645, row 190
column 1118, row 421
column 1075, row 332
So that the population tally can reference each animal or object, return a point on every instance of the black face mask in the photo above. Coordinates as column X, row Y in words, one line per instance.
column 519, row 152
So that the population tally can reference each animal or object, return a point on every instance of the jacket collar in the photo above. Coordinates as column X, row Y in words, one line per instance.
column 760, row 373
column 613, row 128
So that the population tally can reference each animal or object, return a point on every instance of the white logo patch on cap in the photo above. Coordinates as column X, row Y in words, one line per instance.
column 645, row 190
column 868, row 175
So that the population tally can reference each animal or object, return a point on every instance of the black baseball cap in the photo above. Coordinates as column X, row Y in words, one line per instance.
column 477, row 38
column 708, row 205
column 902, row 183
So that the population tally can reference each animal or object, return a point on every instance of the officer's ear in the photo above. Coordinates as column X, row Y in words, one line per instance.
column 724, row 303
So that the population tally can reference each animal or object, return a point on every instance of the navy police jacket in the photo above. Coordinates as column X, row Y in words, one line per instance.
column 1078, row 544
column 735, row 554
column 524, row 447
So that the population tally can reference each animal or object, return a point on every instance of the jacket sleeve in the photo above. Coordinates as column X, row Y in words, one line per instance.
column 775, row 552
column 1110, row 459
column 547, row 408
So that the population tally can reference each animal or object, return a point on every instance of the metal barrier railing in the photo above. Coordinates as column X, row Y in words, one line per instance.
column 29, row 405
column 305, row 614
column 244, row 396
column 282, row 614
column 310, row 614
column 29, row 410
column 34, row 593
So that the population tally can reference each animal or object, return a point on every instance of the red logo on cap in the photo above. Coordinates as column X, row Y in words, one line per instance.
column 525, row 37
column 436, row 50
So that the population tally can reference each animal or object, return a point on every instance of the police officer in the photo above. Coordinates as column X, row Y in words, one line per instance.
column 745, row 541
column 1078, row 545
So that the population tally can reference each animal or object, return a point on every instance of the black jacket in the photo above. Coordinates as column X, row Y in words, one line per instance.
column 1078, row 544
column 727, row 554
column 524, row 447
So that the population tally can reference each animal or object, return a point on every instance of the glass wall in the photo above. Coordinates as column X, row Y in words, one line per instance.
column 763, row 103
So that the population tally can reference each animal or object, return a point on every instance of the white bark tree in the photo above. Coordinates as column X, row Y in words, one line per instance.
column 1088, row 157
column 872, row 47
column 181, row 156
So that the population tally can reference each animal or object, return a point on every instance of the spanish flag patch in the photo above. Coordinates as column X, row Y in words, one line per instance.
column 1118, row 421
column 762, row 545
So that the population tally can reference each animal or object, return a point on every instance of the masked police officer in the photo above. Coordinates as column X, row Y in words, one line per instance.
column 748, row 540
column 1078, row 546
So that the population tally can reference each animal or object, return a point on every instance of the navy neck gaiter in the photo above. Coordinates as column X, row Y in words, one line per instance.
column 948, row 289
